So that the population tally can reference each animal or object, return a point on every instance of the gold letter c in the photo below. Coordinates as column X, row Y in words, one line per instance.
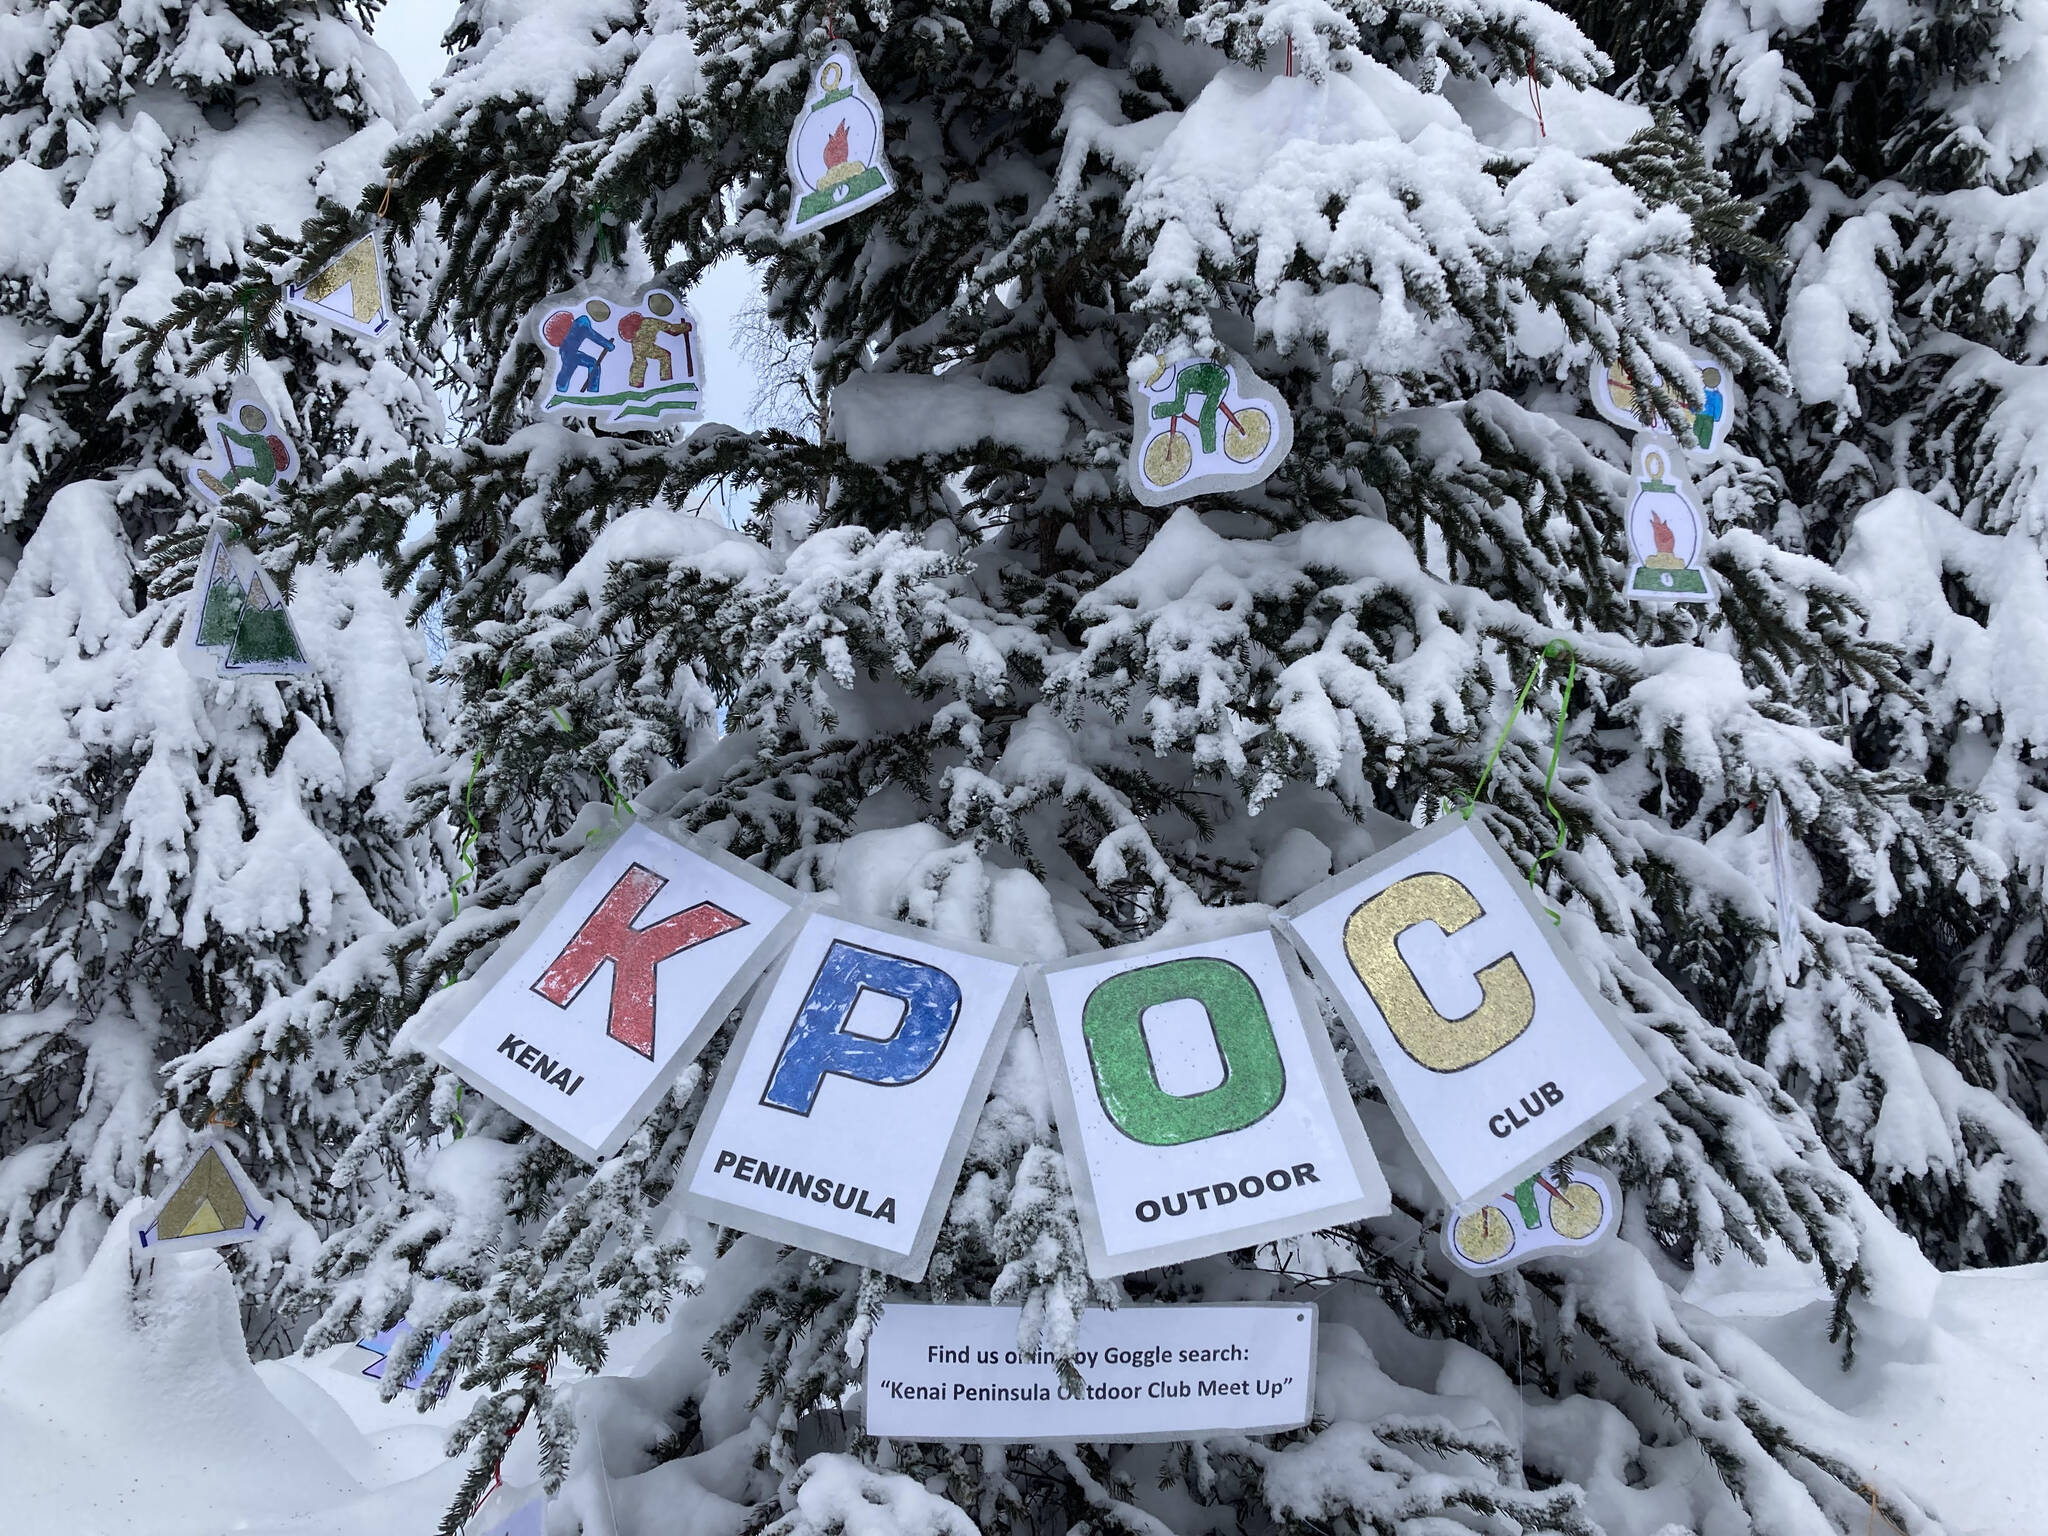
column 1507, row 1004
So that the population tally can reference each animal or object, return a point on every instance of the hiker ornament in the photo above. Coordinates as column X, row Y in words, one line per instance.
column 1666, row 531
column 237, row 624
column 635, row 366
column 835, row 147
column 349, row 293
column 1203, row 424
column 252, row 454
column 1712, row 384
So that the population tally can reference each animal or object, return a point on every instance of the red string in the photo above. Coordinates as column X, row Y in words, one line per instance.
column 831, row 30
column 1536, row 99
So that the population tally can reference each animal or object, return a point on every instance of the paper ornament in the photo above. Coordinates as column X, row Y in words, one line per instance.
column 237, row 624
column 1781, row 883
column 1199, row 1102
column 209, row 1204
column 586, row 1013
column 637, row 366
column 349, row 293
column 253, row 456
column 836, row 163
column 370, row 1356
column 1203, row 425
column 1547, row 1214
column 1494, row 1049
column 1666, row 531
column 842, row 1116
column 1713, row 383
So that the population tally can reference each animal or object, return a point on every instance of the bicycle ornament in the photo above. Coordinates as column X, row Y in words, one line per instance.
column 636, row 366
column 1203, row 425
column 1546, row 1213
column 835, row 147
column 1666, row 530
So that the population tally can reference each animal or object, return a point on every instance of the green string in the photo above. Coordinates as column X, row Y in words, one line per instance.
column 1556, row 749
column 604, row 236
column 248, row 325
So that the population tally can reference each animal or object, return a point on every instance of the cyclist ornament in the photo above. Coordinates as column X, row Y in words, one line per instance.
column 1203, row 424
column 1547, row 1213
column 836, row 166
column 1666, row 530
column 635, row 366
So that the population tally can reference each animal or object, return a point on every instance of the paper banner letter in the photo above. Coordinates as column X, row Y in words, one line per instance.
column 820, row 1045
column 908, row 1028
column 1127, row 1078
column 609, row 937
column 1371, row 942
column 1199, row 1101
column 1494, row 1050
column 605, row 991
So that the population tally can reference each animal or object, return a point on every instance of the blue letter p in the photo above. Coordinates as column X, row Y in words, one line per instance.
column 819, row 1045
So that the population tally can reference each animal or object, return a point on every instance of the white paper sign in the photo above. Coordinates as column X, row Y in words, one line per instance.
column 1494, row 1049
column 953, row 1374
column 633, row 960
column 1200, row 1104
column 841, row 1119
column 1546, row 1214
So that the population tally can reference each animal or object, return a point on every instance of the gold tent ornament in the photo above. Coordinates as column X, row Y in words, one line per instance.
column 210, row 1203
column 349, row 293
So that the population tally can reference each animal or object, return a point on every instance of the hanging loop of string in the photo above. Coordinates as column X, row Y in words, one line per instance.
column 1564, row 704
column 242, row 355
column 1536, row 99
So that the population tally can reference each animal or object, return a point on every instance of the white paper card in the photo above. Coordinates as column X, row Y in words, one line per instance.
column 1494, row 1049
column 619, row 977
column 1200, row 1104
column 1150, row 1373
column 842, row 1115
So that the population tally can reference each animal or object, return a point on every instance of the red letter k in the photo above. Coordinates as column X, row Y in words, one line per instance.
column 609, row 934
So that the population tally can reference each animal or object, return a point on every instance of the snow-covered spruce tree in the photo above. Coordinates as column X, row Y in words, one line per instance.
column 967, row 681
column 176, row 853
column 1896, row 157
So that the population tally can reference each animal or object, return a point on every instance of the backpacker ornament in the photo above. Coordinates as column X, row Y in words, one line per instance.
column 635, row 366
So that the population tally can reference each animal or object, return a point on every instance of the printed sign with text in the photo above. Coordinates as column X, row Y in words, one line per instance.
column 1492, row 1047
column 583, row 1017
column 1200, row 1103
column 955, row 1374
column 842, row 1115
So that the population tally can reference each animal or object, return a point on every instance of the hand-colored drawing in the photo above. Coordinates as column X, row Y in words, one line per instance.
column 237, row 625
column 1545, row 1213
column 1618, row 401
column 1666, row 531
column 1204, row 425
column 349, row 293
column 371, row 1355
column 210, row 1203
column 636, row 372
column 835, row 147
column 252, row 453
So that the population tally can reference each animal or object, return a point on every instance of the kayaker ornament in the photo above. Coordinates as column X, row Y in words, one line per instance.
column 835, row 147
column 635, row 365
column 1203, row 424
column 1666, row 531
column 1713, row 383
